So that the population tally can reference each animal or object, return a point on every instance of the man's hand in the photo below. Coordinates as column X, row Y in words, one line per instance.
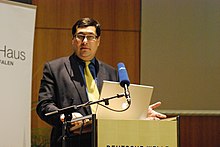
column 152, row 114
column 76, row 125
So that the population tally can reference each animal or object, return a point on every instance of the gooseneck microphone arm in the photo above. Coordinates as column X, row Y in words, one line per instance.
column 72, row 108
column 127, row 94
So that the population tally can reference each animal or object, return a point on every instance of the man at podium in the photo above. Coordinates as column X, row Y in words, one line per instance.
column 75, row 80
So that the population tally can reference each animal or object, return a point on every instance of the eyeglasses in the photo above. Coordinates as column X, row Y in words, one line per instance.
column 81, row 37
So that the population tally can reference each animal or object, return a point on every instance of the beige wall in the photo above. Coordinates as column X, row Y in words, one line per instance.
column 180, row 53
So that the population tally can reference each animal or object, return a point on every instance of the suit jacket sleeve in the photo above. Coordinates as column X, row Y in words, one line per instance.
column 47, row 102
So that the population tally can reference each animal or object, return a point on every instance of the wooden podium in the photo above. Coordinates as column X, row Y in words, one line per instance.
column 132, row 133
column 136, row 133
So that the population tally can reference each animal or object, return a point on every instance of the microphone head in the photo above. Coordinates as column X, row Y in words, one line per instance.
column 123, row 75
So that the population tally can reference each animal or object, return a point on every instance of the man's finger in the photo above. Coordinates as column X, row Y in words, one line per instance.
column 155, row 105
column 160, row 115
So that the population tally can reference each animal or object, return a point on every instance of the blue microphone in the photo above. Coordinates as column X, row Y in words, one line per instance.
column 124, row 80
column 123, row 75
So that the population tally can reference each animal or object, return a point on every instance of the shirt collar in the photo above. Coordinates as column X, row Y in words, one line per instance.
column 82, row 62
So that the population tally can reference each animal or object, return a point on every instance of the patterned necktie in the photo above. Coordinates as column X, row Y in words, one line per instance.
column 92, row 89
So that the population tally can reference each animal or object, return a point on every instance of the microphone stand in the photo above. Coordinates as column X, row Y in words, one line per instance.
column 127, row 94
column 67, row 111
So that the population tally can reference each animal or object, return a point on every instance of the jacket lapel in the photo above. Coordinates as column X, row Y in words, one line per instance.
column 75, row 74
column 100, row 76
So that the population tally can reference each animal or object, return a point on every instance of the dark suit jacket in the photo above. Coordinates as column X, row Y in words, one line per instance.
column 62, row 85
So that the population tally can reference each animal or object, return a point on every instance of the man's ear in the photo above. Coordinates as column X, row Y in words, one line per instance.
column 98, row 40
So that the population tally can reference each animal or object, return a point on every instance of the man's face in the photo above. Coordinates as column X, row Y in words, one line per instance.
column 85, row 43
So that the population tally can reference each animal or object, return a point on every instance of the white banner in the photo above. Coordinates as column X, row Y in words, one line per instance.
column 17, row 25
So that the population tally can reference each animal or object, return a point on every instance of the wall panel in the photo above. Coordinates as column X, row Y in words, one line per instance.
column 47, row 11
column 199, row 131
column 125, row 49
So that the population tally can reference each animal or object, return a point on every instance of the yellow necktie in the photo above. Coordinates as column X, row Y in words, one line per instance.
column 92, row 89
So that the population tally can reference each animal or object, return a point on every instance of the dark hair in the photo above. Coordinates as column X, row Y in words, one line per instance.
column 86, row 22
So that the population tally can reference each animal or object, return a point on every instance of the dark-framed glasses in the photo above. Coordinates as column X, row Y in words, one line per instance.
column 89, row 37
